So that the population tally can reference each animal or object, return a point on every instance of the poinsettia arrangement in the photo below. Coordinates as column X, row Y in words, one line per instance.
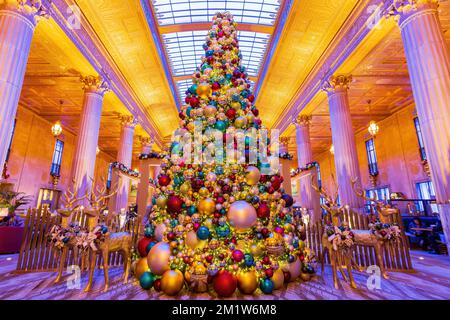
column 81, row 237
column 341, row 237
column 124, row 169
column 385, row 231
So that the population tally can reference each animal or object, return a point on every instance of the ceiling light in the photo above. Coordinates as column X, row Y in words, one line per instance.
column 57, row 129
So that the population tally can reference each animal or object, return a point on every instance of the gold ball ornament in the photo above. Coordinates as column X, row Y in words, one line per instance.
column 161, row 202
column 141, row 267
column 210, row 111
column 278, row 279
column 185, row 188
column 203, row 192
column 242, row 214
column 204, row 90
column 240, row 122
column 158, row 258
column 207, row 206
column 252, row 175
column 257, row 249
column 247, row 282
column 172, row 282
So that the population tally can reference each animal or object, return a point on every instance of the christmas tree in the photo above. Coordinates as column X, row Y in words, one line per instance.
column 220, row 222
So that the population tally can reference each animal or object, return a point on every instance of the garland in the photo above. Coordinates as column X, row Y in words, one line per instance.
column 151, row 155
column 385, row 231
column 341, row 237
column 286, row 156
column 308, row 167
column 123, row 168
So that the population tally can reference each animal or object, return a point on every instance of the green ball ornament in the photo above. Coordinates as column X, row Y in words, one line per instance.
column 220, row 125
column 266, row 286
column 146, row 280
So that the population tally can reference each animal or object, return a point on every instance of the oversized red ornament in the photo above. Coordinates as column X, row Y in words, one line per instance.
column 164, row 180
column 276, row 183
column 174, row 204
column 225, row 283
column 251, row 98
column 263, row 211
column 237, row 255
column 194, row 102
column 142, row 246
column 231, row 113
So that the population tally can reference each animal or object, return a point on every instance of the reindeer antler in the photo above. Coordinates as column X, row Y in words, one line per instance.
column 70, row 197
column 99, row 194
column 360, row 193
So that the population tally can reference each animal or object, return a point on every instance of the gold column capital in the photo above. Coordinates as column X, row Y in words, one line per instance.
column 407, row 10
column 128, row 121
column 146, row 141
column 302, row 120
column 337, row 83
column 94, row 84
column 33, row 10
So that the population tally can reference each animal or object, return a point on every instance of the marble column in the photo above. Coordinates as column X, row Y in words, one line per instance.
column 17, row 23
column 83, row 165
column 309, row 198
column 124, row 156
column 345, row 155
column 428, row 59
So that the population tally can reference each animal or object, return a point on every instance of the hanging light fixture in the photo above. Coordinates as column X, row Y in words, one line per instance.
column 57, row 129
column 373, row 128
column 332, row 149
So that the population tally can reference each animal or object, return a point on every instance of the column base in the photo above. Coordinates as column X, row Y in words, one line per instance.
column 444, row 213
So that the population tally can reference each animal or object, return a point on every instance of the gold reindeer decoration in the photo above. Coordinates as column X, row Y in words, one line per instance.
column 366, row 237
column 70, row 200
column 339, row 255
column 112, row 242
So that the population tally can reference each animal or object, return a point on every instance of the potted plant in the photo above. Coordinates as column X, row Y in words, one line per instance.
column 11, row 225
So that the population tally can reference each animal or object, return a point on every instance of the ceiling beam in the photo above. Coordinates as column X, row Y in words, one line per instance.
column 205, row 26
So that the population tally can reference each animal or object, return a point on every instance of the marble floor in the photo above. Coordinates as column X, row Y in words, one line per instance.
column 431, row 280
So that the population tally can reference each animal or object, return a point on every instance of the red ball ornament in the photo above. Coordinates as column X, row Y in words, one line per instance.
column 196, row 226
column 269, row 273
column 251, row 98
column 276, row 183
column 142, row 246
column 263, row 211
column 215, row 86
column 209, row 258
column 157, row 285
column 171, row 236
column 255, row 112
column 194, row 102
column 231, row 113
column 174, row 204
column 287, row 276
column 265, row 232
column 164, row 180
column 237, row 255
column 225, row 283
column 266, row 260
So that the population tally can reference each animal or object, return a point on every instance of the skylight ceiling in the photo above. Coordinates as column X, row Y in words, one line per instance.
column 248, row 11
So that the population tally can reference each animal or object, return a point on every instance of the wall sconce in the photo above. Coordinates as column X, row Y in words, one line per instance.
column 57, row 129
column 373, row 128
column 97, row 151
column 332, row 149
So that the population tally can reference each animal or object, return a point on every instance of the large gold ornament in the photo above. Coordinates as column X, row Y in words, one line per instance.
column 172, row 282
column 242, row 215
column 204, row 91
column 252, row 175
column 158, row 258
column 278, row 279
column 207, row 206
column 141, row 267
column 247, row 282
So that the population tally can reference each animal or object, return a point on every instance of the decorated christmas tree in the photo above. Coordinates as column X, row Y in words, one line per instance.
column 222, row 222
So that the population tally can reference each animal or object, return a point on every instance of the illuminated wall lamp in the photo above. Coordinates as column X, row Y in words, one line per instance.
column 332, row 149
column 373, row 128
column 57, row 129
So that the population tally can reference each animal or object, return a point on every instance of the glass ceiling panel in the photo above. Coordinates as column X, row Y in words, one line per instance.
column 187, row 11
column 185, row 50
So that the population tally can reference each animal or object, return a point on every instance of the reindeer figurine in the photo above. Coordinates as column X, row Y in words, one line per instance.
column 338, row 256
column 365, row 237
column 69, row 201
column 113, row 242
